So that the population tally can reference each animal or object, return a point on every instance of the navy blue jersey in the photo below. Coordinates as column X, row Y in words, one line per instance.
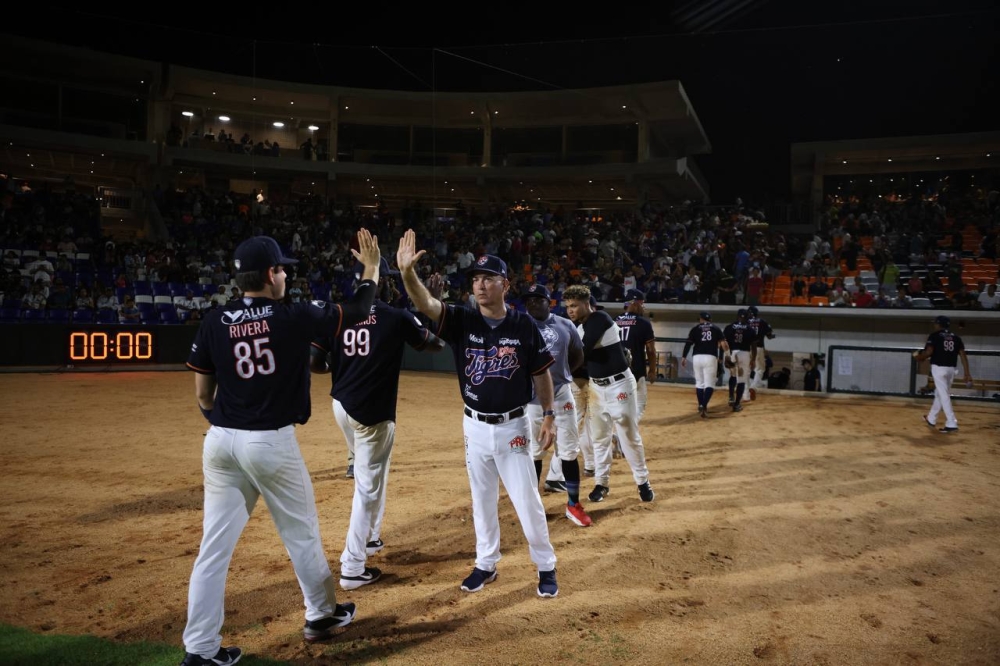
column 258, row 348
column 367, row 358
column 602, row 346
column 740, row 336
column 635, row 332
column 705, row 339
column 495, row 364
column 761, row 330
column 945, row 346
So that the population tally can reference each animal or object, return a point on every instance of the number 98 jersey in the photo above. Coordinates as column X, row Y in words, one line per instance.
column 258, row 349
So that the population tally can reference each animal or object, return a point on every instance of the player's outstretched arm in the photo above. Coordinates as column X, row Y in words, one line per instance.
column 368, row 254
column 407, row 257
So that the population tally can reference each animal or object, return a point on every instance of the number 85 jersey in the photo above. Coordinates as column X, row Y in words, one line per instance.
column 366, row 361
column 258, row 349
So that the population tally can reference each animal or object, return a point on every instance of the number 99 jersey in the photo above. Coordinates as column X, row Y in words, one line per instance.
column 366, row 361
column 258, row 349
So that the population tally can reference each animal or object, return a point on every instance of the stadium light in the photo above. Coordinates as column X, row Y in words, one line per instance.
column 845, row 161
column 278, row 123
column 313, row 128
column 187, row 114
column 890, row 159
column 937, row 158
column 224, row 119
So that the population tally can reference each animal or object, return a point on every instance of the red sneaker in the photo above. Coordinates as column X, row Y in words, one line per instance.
column 576, row 513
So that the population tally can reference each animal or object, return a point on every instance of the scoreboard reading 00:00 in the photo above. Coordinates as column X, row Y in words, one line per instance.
column 111, row 346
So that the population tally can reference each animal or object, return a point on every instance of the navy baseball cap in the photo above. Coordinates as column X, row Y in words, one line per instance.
column 258, row 254
column 383, row 269
column 942, row 321
column 634, row 295
column 488, row 264
column 707, row 316
column 741, row 313
column 753, row 311
column 538, row 290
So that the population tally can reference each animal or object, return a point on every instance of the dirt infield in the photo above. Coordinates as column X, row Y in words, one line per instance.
column 805, row 531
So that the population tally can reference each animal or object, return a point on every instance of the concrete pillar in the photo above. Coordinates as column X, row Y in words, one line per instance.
column 334, row 126
column 642, row 155
column 488, row 145
column 816, row 194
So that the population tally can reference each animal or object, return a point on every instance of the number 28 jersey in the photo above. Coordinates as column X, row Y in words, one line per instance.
column 258, row 349
column 705, row 339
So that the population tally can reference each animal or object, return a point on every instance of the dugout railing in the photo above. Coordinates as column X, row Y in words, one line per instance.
column 894, row 371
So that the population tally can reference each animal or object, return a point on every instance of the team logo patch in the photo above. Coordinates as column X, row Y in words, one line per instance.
column 518, row 443
column 497, row 362
column 238, row 264
column 550, row 336
column 319, row 304
column 482, row 260
column 568, row 407
column 622, row 397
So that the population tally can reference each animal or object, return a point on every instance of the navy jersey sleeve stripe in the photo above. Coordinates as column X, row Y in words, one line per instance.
column 319, row 346
column 444, row 315
column 544, row 367
column 201, row 371
column 423, row 343
column 340, row 322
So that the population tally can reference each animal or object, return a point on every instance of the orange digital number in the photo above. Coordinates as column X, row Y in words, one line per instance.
column 78, row 347
column 123, row 346
column 144, row 345
column 98, row 346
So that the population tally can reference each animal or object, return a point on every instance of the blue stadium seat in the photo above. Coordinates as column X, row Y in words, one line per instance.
column 58, row 316
column 33, row 315
column 83, row 316
column 120, row 293
column 176, row 288
column 161, row 289
column 107, row 316
column 143, row 288
column 169, row 316
column 10, row 315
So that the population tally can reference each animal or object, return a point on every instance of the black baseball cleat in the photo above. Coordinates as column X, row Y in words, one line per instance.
column 599, row 493
column 588, row 472
column 370, row 575
column 322, row 629
column 948, row 429
column 224, row 657
column 646, row 493
column 555, row 487
column 350, row 472
column 703, row 411
column 928, row 423
column 478, row 579
column 737, row 408
column 373, row 547
column 732, row 401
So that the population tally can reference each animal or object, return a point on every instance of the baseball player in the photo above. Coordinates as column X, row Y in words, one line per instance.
column 741, row 357
column 944, row 348
column 563, row 342
column 612, row 399
column 638, row 338
column 251, row 360
column 762, row 332
column 706, row 339
column 501, row 357
column 365, row 387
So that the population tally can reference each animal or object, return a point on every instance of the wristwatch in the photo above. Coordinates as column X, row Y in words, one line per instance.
column 548, row 412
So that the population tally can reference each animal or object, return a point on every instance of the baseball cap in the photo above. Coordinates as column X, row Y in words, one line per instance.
column 753, row 311
column 538, row 290
column 741, row 313
column 942, row 321
column 488, row 264
column 383, row 269
column 634, row 295
column 258, row 254
column 707, row 316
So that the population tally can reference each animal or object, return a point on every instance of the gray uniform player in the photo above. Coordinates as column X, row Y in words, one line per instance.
column 252, row 384
column 612, row 394
column 501, row 362
column 365, row 386
column 563, row 342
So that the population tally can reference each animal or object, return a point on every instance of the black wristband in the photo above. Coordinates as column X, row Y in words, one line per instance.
column 207, row 413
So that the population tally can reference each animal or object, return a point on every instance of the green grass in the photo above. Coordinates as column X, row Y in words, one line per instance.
column 20, row 646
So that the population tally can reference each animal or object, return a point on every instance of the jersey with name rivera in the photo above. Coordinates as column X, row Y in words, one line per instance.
column 258, row 348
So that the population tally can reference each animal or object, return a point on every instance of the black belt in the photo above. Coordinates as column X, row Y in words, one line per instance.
column 605, row 381
column 494, row 419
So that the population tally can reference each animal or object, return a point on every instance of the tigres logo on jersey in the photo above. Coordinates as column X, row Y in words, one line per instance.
column 497, row 362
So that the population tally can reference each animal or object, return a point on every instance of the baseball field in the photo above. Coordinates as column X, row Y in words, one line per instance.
column 800, row 531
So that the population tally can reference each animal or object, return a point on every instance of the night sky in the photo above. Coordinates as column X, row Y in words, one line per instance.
column 761, row 77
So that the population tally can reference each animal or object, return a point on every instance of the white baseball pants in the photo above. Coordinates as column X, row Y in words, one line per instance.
column 581, row 394
column 610, row 406
column 943, row 376
column 372, row 447
column 240, row 466
column 500, row 453
column 760, row 365
column 640, row 405
column 705, row 367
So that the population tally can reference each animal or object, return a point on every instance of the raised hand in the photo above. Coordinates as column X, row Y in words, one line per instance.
column 407, row 255
column 368, row 254
column 435, row 285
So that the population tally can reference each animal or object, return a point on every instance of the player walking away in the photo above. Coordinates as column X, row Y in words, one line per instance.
column 638, row 338
column 500, row 356
column 612, row 399
column 741, row 357
column 563, row 342
column 252, row 384
column 706, row 339
column 944, row 348
column 365, row 386
column 762, row 332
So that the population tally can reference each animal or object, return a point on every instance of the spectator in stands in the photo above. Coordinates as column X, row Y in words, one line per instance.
column 839, row 297
column 108, row 301
column 220, row 297
column 187, row 307
column 890, row 274
column 963, row 300
column 60, row 298
column 902, row 299
column 692, row 283
column 67, row 246
column 84, row 301
column 41, row 269
column 11, row 260
column 817, row 287
column 755, row 287
column 915, row 286
column 863, row 299
column 989, row 299
column 35, row 299
column 883, row 300
column 129, row 313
